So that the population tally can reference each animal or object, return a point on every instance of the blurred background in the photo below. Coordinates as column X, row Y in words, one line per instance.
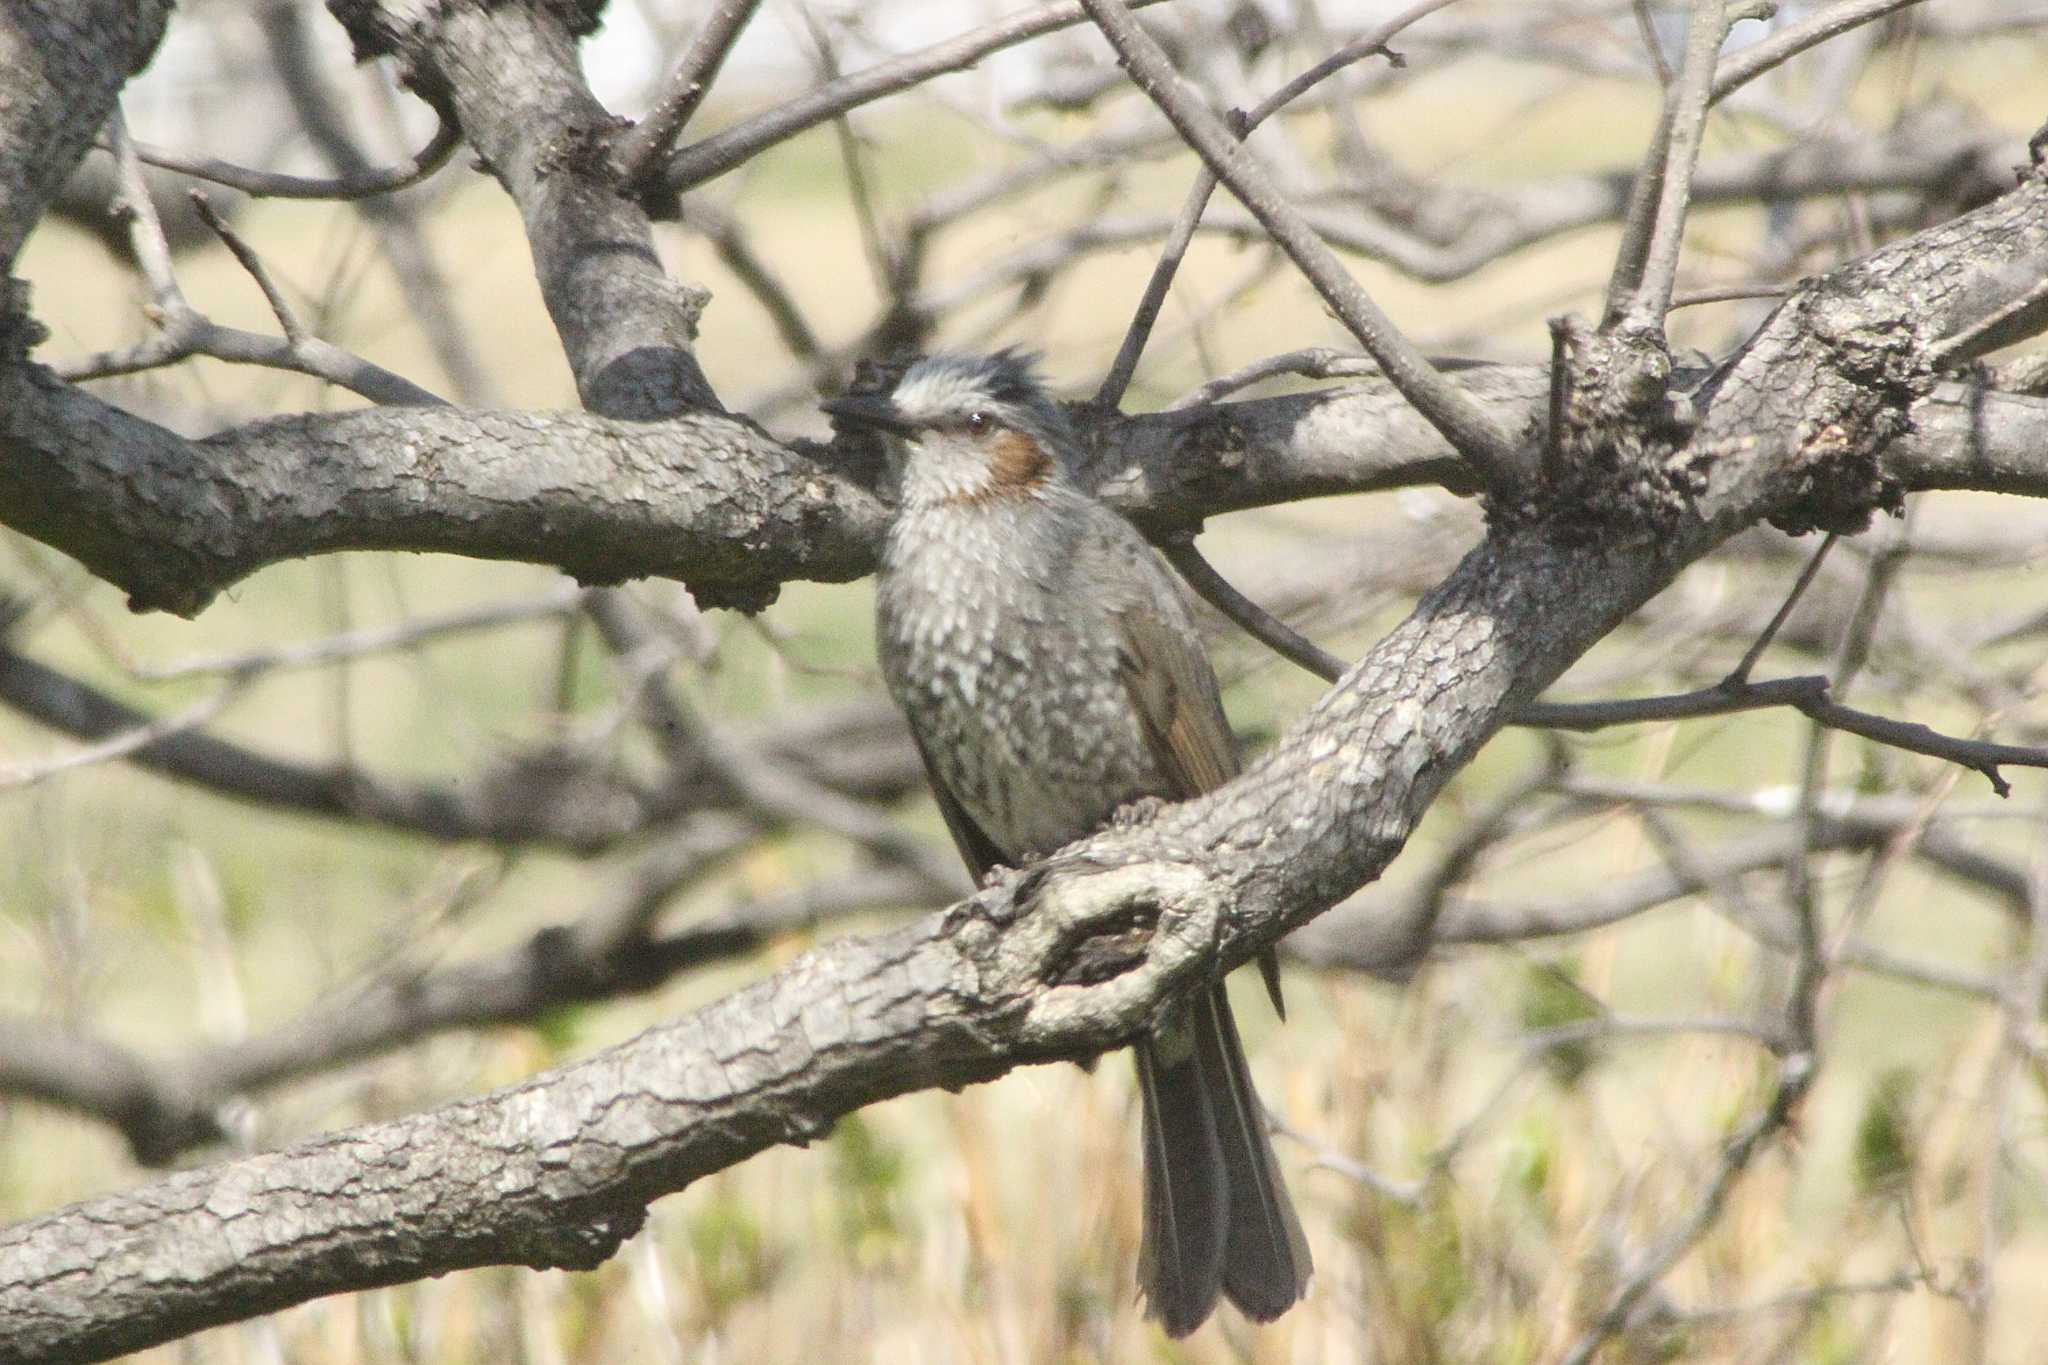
column 1483, row 1139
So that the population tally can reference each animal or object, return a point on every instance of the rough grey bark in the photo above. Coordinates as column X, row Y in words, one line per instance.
column 509, row 75
column 712, row 500
column 62, row 62
column 557, row 1170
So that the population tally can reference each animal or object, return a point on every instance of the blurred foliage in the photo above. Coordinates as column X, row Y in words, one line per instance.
column 1884, row 1151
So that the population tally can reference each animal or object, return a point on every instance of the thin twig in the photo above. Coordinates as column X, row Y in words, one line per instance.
column 276, row 185
column 1746, row 65
column 1792, row 1299
column 1561, row 329
column 736, row 252
column 767, row 783
column 1646, row 27
column 183, row 331
column 1798, row 1065
column 1740, row 673
column 372, row 640
column 1146, row 315
column 1256, row 621
column 1721, row 699
column 1463, row 421
column 1979, row 755
column 1727, row 293
column 1795, row 1076
column 722, row 151
column 125, row 742
column 1406, row 1193
column 287, row 318
column 1312, row 362
column 145, row 232
column 860, row 190
column 1646, row 264
column 642, row 148
column 1807, row 694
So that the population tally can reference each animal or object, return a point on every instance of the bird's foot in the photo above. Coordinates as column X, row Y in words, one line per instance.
column 1136, row 812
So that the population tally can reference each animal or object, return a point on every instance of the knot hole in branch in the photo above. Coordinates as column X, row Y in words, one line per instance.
column 1107, row 948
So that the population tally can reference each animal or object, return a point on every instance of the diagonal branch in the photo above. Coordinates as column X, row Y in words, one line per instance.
column 641, row 151
column 511, row 77
column 1467, row 425
column 729, row 147
column 1125, row 365
column 1788, row 42
column 1646, row 264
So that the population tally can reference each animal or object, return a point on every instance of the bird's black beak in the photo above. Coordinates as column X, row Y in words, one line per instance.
column 871, row 410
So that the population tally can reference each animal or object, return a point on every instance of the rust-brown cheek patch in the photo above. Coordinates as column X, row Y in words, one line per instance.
column 1016, row 462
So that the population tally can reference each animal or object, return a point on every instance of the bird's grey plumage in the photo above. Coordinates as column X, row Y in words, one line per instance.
column 1050, row 669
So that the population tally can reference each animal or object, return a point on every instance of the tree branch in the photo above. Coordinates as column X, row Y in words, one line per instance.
column 277, row 185
column 640, row 152
column 1469, row 428
column 511, row 76
column 715, row 155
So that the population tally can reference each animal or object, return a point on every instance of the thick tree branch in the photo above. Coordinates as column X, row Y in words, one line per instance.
column 66, row 61
column 715, row 502
column 510, row 75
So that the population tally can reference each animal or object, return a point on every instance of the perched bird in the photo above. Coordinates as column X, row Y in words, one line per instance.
column 1051, row 673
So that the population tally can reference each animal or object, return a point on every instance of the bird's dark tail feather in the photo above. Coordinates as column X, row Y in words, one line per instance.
column 1217, row 1217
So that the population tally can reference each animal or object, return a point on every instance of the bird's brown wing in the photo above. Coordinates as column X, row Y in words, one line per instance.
column 977, row 850
column 1173, row 690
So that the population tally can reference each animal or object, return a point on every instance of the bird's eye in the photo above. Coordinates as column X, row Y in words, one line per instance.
column 978, row 422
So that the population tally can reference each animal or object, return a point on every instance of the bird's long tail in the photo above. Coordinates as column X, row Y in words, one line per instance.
column 1217, row 1216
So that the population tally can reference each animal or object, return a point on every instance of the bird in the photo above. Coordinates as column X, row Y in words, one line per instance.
column 1049, row 667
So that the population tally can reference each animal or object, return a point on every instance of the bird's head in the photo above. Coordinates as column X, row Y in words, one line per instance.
column 966, row 429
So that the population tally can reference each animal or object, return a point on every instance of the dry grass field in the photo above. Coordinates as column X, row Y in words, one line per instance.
column 1001, row 1224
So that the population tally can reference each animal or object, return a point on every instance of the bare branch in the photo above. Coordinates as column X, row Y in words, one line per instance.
column 1723, row 698
column 1121, row 369
column 579, row 817
column 1468, row 427
column 1981, row 756
column 1255, row 620
column 715, row 155
column 1752, row 61
column 124, row 743
column 644, row 147
column 183, row 332
column 1740, row 673
column 358, row 644
column 1646, row 264
column 294, row 330
column 359, row 184
column 512, row 77
column 394, row 218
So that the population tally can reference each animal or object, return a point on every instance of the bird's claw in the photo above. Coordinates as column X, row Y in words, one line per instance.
column 1136, row 812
